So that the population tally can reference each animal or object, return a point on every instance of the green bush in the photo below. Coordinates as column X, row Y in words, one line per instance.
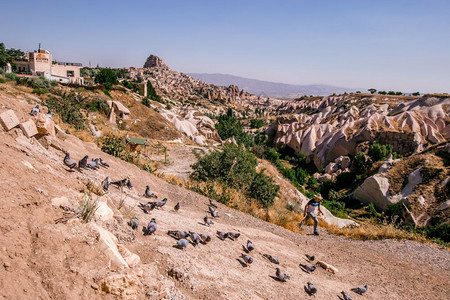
column 378, row 152
column 97, row 105
column 256, row 123
column 394, row 209
column 39, row 91
column 228, row 126
column 360, row 163
column 264, row 189
column 345, row 179
column 68, row 108
column 2, row 80
column 116, row 146
column 441, row 232
column 11, row 77
column 146, row 102
column 107, row 77
column 337, row 208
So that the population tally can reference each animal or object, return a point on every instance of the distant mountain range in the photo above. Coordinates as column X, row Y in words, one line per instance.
column 270, row 89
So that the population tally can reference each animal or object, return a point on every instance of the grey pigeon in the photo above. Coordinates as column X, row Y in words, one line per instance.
column 104, row 163
column 346, row 296
column 271, row 258
column 281, row 276
column 250, row 246
column 92, row 165
column 206, row 238
column 35, row 110
column 129, row 184
column 360, row 289
column 69, row 162
column 214, row 213
column 147, row 207
column 105, row 183
column 178, row 234
column 134, row 223
column 49, row 114
column 83, row 162
column 307, row 268
column 208, row 221
column 195, row 238
column 182, row 243
column 160, row 204
column 222, row 235
column 120, row 183
column 247, row 258
column 310, row 257
column 177, row 207
column 234, row 235
column 151, row 228
column 311, row 288
column 149, row 194
column 211, row 203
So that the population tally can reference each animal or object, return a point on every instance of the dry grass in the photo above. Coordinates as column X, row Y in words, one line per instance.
column 368, row 231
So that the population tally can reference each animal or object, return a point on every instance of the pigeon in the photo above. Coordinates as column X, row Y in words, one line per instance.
column 222, row 235
column 182, row 243
column 69, row 162
column 178, row 234
column 104, row 163
column 211, row 203
column 206, row 238
column 360, row 289
column 49, row 114
column 120, row 183
column 83, row 162
column 281, row 276
column 271, row 258
column 105, row 183
column 310, row 257
column 129, row 184
column 92, row 165
column 307, row 268
column 250, row 246
column 248, row 259
column 177, row 207
column 234, row 235
column 151, row 228
column 311, row 288
column 195, row 238
column 346, row 296
column 160, row 204
column 208, row 221
column 34, row 111
column 147, row 207
column 149, row 194
column 134, row 223
column 214, row 213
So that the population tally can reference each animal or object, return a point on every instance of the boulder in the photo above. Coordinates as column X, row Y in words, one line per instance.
column 375, row 189
column 28, row 128
column 103, row 212
column 108, row 244
column 132, row 259
column 9, row 119
column 331, row 168
column 45, row 125
column 343, row 161
column 125, row 285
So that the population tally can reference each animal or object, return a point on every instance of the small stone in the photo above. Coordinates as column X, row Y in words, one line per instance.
column 29, row 129
column 6, row 265
column 95, row 286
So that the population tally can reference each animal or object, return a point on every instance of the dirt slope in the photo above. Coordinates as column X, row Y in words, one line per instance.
column 43, row 260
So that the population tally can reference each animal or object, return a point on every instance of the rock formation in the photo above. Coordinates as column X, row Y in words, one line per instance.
column 154, row 61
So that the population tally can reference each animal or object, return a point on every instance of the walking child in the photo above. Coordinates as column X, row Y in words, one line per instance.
column 309, row 210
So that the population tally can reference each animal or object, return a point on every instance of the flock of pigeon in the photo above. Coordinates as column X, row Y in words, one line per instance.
column 35, row 110
column 184, row 238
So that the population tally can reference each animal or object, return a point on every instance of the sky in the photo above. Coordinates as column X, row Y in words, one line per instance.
column 401, row 45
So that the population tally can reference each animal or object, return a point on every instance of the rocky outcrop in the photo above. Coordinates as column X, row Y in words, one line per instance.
column 154, row 61
column 374, row 189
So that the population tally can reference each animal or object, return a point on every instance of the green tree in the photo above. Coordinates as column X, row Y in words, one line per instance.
column 361, row 163
column 152, row 93
column 256, row 123
column 372, row 90
column 107, row 77
column 378, row 152
column 228, row 126
column 416, row 94
column 382, row 92
column 4, row 58
column 264, row 189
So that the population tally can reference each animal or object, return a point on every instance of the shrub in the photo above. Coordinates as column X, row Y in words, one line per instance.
column 2, row 80
column 228, row 126
column 345, row 179
column 146, row 102
column 88, row 207
column 98, row 105
column 378, row 152
column 39, row 91
column 256, row 123
column 11, row 77
column 107, row 77
column 264, row 189
column 361, row 163
column 337, row 208
column 113, row 145
column 68, row 108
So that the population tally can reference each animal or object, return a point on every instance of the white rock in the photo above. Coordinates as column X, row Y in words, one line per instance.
column 375, row 189
column 104, row 212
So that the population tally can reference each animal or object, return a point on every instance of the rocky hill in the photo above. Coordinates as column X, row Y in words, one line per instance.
column 48, row 252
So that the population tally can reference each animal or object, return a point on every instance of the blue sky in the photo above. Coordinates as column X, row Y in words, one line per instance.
column 392, row 45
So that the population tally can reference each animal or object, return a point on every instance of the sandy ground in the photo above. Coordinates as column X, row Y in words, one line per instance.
column 43, row 260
